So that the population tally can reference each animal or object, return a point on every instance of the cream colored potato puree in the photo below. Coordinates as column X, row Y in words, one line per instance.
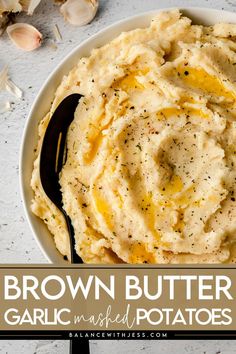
column 151, row 167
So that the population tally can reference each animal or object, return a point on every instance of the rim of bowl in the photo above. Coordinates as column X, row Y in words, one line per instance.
column 197, row 13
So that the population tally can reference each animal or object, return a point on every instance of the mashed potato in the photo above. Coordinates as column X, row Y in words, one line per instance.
column 151, row 166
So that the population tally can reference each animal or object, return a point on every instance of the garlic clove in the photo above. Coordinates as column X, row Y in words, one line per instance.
column 24, row 36
column 29, row 5
column 79, row 12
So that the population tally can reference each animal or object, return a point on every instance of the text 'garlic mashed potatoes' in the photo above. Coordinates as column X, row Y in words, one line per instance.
column 151, row 167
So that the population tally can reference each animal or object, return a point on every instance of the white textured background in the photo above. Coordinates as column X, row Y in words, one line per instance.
column 29, row 71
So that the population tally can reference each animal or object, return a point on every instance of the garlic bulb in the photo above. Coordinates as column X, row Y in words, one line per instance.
column 79, row 12
column 24, row 36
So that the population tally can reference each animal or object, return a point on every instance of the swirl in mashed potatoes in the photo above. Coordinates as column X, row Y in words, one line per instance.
column 151, row 165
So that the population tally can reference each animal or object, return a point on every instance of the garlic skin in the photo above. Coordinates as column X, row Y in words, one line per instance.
column 25, row 36
column 79, row 12
column 7, row 85
column 18, row 5
column 5, row 106
column 5, row 20
column 10, row 6
column 29, row 5
column 57, row 33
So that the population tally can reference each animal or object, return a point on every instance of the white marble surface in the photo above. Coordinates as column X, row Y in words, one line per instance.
column 29, row 71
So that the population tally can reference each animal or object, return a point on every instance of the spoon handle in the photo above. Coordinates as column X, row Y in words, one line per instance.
column 76, row 346
column 74, row 256
column 79, row 347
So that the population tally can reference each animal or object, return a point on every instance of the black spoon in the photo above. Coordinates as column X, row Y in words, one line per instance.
column 52, row 158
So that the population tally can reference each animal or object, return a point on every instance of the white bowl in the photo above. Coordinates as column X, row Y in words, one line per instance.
column 43, row 100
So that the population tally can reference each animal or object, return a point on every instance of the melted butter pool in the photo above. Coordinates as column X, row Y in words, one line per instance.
column 198, row 78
